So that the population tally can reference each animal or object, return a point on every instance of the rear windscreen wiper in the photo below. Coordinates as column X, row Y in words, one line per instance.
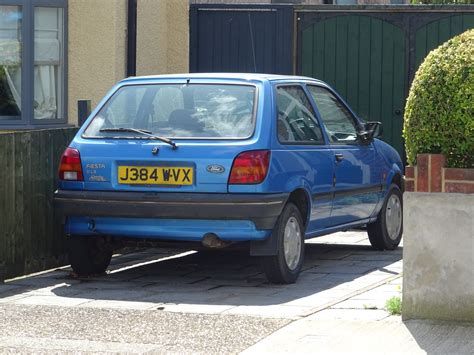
column 141, row 131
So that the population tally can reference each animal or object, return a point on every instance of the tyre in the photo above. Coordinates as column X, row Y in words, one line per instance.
column 285, row 266
column 386, row 232
column 88, row 255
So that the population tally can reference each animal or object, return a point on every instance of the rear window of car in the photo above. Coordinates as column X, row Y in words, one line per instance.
column 178, row 111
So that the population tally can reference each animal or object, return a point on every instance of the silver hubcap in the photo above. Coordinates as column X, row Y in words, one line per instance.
column 292, row 243
column 393, row 217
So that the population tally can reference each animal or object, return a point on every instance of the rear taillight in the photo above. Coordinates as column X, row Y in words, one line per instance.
column 70, row 167
column 250, row 167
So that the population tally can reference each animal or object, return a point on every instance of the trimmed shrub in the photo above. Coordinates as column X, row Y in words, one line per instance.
column 439, row 113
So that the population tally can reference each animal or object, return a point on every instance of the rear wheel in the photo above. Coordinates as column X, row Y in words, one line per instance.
column 386, row 232
column 285, row 266
column 89, row 255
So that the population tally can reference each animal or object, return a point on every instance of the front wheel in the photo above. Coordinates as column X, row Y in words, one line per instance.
column 386, row 232
column 285, row 266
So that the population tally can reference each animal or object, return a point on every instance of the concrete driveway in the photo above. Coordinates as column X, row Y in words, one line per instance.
column 168, row 300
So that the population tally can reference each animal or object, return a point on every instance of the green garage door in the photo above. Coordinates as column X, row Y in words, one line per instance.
column 364, row 59
column 437, row 32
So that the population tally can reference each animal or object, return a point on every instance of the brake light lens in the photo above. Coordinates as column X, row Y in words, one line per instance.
column 71, row 167
column 250, row 167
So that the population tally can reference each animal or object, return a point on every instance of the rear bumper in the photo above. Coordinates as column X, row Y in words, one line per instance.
column 261, row 209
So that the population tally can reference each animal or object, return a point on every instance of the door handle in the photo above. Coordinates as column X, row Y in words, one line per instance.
column 339, row 157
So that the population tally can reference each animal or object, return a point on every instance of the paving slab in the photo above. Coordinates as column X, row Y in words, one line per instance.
column 350, row 314
column 387, row 336
column 51, row 301
column 143, row 287
column 4, row 289
column 62, row 289
column 9, row 299
column 113, row 304
column 369, row 304
column 271, row 311
column 337, row 267
column 194, row 308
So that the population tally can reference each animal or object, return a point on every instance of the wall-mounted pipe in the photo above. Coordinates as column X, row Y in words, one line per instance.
column 132, row 38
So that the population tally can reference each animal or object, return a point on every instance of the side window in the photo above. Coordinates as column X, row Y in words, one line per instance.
column 338, row 121
column 296, row 119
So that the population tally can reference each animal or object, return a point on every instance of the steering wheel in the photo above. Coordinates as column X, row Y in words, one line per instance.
column 284, row 125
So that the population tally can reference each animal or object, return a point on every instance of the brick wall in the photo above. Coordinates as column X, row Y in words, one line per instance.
column 431, row 175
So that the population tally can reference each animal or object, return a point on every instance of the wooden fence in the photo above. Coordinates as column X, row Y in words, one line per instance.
column 29, row 239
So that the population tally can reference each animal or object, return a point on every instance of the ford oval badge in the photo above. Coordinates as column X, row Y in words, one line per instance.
column 215, row 169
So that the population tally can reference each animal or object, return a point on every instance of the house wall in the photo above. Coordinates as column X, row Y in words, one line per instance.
column 96, row 50
column 162, row 37
column 97, row 44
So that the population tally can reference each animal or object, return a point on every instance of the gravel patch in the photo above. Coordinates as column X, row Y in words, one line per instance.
column 89, row 330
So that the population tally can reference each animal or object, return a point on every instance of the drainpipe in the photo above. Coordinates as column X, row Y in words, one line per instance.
column 132, row 38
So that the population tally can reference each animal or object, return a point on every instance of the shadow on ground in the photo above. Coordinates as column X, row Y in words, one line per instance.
column 219, row 281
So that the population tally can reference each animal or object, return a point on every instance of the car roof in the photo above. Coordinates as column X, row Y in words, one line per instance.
column 223, row 76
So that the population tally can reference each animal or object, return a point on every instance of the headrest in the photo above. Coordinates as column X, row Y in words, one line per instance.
column 184, row 119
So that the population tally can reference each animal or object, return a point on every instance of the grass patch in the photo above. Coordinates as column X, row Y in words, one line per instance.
column 394, row 305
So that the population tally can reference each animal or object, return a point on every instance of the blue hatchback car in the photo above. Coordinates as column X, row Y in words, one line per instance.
column 219, row 159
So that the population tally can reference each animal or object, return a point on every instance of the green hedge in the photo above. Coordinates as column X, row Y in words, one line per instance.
column 439, row 114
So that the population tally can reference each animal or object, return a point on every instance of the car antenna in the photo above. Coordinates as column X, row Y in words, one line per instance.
column 187, row 81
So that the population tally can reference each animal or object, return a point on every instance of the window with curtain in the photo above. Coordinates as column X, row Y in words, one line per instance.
column 32, row 63
column 48, row 62
column 10, row 62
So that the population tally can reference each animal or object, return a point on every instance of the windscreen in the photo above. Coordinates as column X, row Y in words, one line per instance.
column 178, row 111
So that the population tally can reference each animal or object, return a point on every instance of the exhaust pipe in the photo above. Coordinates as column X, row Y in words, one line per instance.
column 212, row 241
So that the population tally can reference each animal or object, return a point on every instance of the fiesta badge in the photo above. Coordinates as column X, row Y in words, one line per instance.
column 215, row 169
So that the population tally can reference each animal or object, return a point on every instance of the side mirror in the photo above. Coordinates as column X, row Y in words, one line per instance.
column 376, row 128
column 370, row 130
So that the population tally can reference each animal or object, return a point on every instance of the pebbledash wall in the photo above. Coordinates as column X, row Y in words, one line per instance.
column 97, row 44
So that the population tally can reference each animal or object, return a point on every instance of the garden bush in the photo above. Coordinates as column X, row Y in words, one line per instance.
column 439, row 113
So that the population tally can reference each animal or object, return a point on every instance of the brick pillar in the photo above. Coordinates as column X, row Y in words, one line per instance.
column 436, row 165
column 429, row 173
column 410, row 178
column 422, row 173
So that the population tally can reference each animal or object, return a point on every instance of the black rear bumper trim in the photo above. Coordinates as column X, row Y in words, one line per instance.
column 262, row 209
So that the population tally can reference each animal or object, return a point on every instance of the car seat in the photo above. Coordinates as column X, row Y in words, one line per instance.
column 184, row 119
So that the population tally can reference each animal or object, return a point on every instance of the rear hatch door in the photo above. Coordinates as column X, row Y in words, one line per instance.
column 210, row 122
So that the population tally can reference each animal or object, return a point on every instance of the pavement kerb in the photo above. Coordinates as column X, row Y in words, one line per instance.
column 350, row 295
